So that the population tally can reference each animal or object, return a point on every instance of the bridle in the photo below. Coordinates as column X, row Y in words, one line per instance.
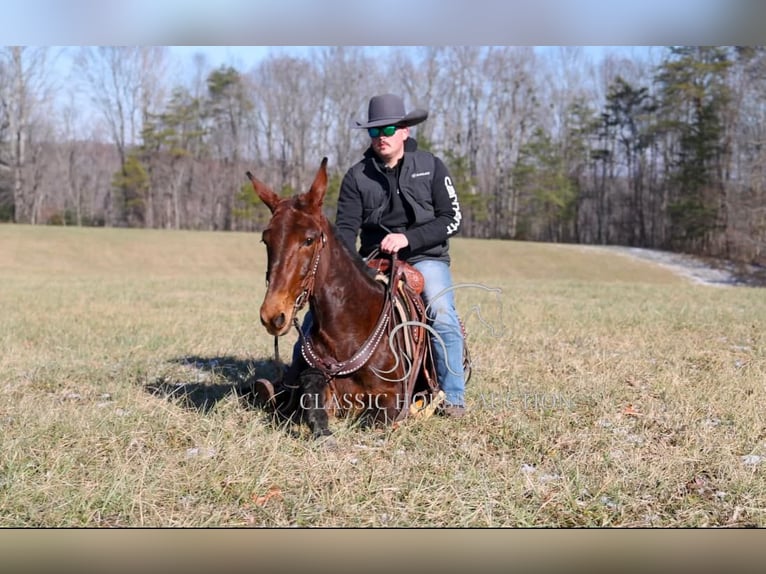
column 307, row 289
column 332, row 368
column 307, row 285
column 328, row 365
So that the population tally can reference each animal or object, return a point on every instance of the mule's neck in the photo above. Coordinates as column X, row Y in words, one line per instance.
column 347, row 301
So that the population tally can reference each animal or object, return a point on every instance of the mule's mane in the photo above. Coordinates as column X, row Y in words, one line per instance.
column 354, row 256
column 300, row 204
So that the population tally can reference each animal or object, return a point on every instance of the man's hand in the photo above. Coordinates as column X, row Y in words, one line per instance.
column 393, row 242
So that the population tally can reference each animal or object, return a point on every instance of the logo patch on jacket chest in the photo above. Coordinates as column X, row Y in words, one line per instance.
column 420, row 174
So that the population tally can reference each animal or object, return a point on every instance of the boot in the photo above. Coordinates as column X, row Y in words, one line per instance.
column 263, row 392
column 281, row 396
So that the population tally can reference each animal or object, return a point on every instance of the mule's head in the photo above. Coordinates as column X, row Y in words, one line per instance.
column 294, row 239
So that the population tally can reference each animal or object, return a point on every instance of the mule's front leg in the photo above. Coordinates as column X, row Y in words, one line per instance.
column 386, row 408
column 313, row 383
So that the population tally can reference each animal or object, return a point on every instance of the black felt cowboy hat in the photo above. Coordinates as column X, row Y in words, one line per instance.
column 388, row 110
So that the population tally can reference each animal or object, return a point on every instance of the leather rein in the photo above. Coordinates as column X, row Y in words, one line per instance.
column 329, row 366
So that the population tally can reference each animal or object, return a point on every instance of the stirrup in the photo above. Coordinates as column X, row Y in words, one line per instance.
column 419, row 408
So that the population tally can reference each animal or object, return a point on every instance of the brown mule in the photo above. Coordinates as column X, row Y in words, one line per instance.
column 368, row 351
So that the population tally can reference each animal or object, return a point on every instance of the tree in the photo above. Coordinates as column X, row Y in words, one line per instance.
column 549, row 193
column 693, row 96
column 170, row 141
column 283, row 97
column 133, row 180
column 225, row 108
column 124, row 84
column 628, row 112
column 23, row 94
column 511, row 109
column 345, row 75
column 746, row 230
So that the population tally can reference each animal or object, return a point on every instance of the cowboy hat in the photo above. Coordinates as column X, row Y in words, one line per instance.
column 388, row 110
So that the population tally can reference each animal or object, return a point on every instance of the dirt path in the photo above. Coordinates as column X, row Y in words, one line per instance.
column 701, row 270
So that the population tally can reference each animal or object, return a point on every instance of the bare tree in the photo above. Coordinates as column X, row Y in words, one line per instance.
column 70, row 158
column 462, row 98
column 25, row 92
column 124, row 83
column 287, row 107
column 511, row 109
column 347, row 79
column 419, row 72
column 746, row 231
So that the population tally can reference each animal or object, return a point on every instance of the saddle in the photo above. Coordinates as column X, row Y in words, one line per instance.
column 406, row 284
column 412, row 277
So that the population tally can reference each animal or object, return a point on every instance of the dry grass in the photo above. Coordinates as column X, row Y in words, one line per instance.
column 606, row 392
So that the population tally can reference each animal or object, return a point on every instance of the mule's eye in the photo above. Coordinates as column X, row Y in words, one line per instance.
column 309, row 241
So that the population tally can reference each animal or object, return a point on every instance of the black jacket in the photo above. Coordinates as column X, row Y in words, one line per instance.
column 425, row 185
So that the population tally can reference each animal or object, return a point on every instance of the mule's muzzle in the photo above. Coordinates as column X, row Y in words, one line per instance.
column 276, row 324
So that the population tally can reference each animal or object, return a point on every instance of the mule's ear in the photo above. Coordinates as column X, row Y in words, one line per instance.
column 315, row 195
column 266, row 194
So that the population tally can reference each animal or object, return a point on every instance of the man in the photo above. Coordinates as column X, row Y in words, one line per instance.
column 402, row 200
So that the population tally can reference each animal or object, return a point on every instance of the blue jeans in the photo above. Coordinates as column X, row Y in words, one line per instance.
column 446, row 342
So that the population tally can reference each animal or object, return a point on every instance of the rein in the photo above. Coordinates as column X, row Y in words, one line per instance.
column 332, row 368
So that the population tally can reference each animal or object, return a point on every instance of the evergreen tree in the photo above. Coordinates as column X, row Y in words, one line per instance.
column 694, row 94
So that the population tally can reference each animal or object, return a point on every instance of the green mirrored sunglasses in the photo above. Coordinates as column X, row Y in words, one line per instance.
column 387, row 131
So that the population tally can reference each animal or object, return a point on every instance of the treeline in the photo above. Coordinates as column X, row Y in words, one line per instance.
column 659, row 148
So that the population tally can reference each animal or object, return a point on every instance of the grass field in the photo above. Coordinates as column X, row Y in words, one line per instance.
column 606, row 392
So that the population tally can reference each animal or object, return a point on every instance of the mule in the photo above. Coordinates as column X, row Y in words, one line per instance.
column 367, row 353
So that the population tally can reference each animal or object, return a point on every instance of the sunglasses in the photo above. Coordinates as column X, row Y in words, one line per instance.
column 387, row 131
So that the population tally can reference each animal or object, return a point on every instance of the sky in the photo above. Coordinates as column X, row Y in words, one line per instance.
column 245, row 57
column 242, row 32
column 241, row 57
column 354, row 22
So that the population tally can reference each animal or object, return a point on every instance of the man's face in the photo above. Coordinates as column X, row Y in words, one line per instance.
column 391, row 147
